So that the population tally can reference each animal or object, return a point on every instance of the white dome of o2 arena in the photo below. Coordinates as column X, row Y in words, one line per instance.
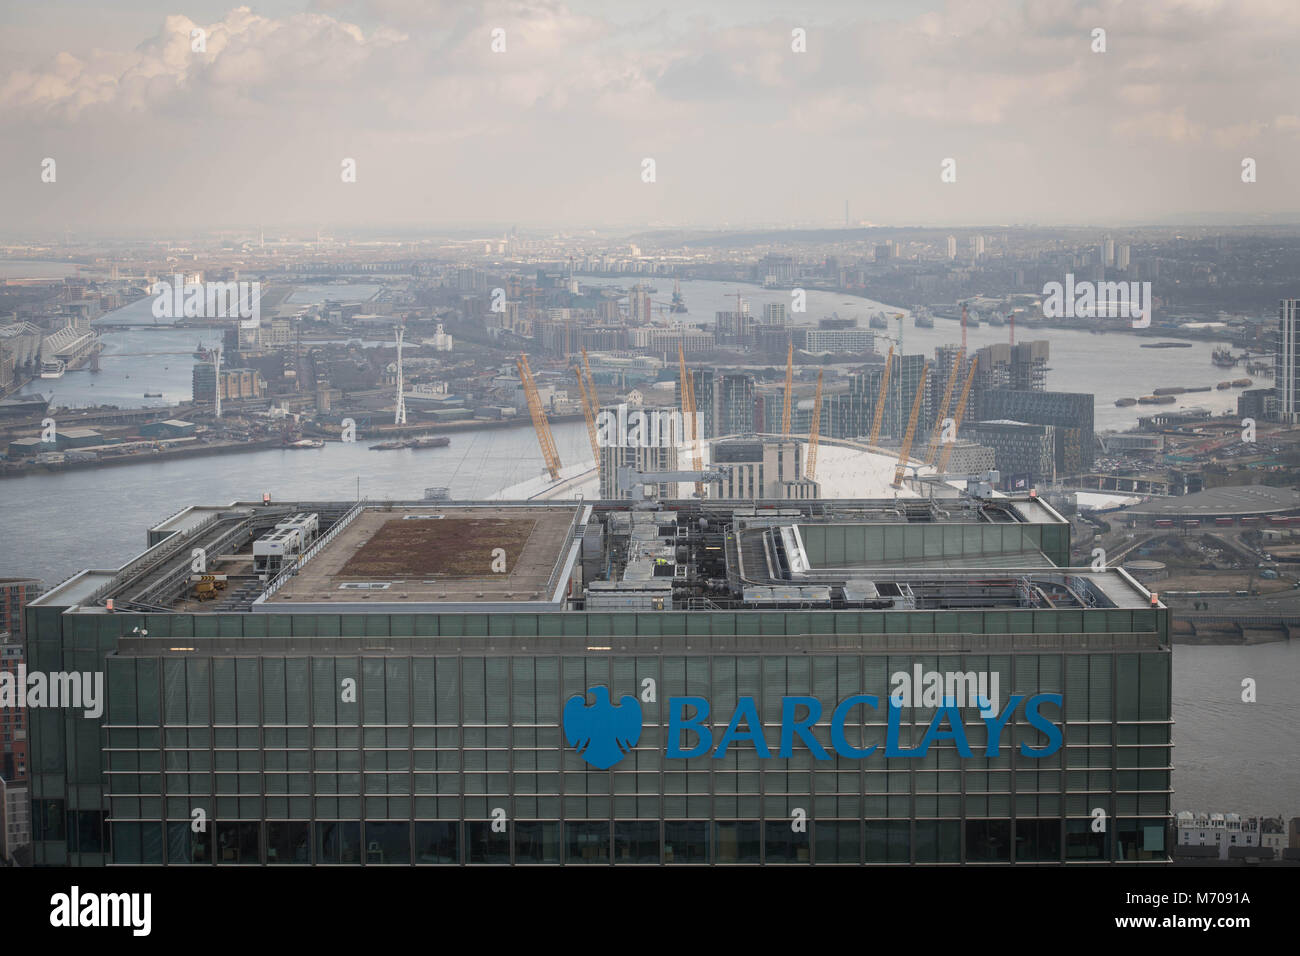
column 845, row 469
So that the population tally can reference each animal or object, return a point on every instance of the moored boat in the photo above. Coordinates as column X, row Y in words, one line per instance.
column 1223, row 357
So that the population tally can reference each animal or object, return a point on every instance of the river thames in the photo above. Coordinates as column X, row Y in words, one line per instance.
column 1230, row 756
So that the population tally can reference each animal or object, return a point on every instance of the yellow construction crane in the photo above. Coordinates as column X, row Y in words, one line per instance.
column 688, row 413
column 911, row 430
column 591, row 418
column 593, row 400
column 591, row 386
column 880, row 399
column 956, row 422
column 540, row 424
column 789, row 385
column 814, row 433
column 943, row 409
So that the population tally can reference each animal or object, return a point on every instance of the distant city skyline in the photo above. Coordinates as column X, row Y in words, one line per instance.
column 149, row 135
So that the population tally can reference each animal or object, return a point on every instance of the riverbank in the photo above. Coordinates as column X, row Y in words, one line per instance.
column 1256, row 637
column 192, row 450
column 22, row 469
column 429, row 424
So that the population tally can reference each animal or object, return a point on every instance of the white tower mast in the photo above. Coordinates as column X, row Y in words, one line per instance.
column 216, row 378
column 399, row 417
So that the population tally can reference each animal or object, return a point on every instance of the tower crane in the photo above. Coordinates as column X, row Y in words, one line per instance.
column 688, row 413
column 591, row 386
column 943, row 409
column 911, row 430
column 880, row 399
column 814, row 433
column 591, row 419
column 961, row 410
column 789, row 385
column 540, row 424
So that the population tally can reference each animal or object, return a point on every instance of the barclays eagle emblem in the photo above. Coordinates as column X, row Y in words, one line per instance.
column 604, row 732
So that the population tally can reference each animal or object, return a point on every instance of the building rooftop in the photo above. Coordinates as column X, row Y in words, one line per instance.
column 444, row 554
column 686, row 555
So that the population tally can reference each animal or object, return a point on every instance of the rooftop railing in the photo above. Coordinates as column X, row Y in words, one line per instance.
column 296, row 565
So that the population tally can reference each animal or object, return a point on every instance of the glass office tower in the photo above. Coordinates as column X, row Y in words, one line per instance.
column 278, row 730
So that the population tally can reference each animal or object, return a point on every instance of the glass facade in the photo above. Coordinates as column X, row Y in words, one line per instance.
column 410, row 739
column 845, row 543
column 377, row 758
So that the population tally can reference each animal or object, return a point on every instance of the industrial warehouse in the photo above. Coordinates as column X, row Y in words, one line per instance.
column 896, row 681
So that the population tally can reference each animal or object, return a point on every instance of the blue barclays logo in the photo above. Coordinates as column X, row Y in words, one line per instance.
column 792, row 726
column 604, row 732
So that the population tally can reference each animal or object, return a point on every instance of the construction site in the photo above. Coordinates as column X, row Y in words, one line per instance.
column 827, row 467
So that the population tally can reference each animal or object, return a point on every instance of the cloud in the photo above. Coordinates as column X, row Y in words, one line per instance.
column 559, row 122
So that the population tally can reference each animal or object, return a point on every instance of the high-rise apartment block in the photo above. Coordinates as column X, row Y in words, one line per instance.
column 1286, row 360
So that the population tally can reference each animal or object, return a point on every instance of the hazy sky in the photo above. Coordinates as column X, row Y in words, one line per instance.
column 148, row 134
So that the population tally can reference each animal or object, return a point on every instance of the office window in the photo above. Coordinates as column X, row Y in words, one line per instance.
column 1143, row 687
column 537, row 841
column 437, row 841
column 636, row 841
column 388, row 842
column 783, row 845
column 1140, row 839
column 938, row 841
column 137, row 843
column 888, row 841
column 238, row 842
column 988, row 841
column 1038, row 840
column 87, row 826
column 47, row 818
column 837, row 841
column 586, row 841
column 338, row 841
column 186, row 846
column 288, row 841
column 686, row 841
column 737, row 841
column 485, row 845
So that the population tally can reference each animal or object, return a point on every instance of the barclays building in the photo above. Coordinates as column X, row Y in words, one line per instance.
column 704, row 683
